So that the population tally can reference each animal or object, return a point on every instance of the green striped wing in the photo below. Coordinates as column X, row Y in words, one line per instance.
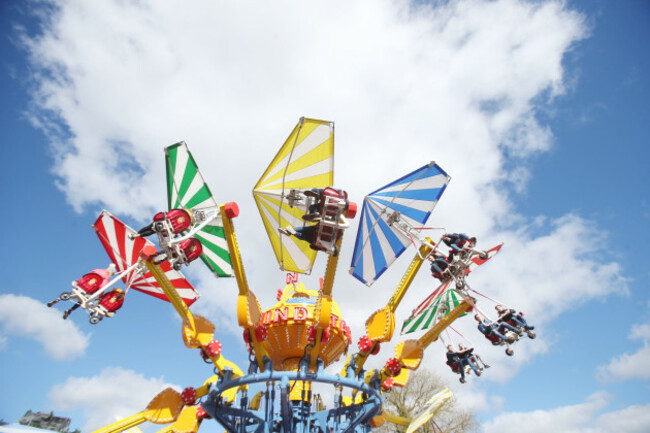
column 186, row 188
column 434, row 308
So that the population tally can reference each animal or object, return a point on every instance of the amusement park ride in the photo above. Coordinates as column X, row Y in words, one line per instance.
column 291, row 343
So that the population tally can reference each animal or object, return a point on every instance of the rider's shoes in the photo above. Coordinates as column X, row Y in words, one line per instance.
column 487, row 366
column 49, row 304
column 462, row 380
column 288, row 231
column 529, row 328
column 310, row 193
column 310, row 216
column 66, row 313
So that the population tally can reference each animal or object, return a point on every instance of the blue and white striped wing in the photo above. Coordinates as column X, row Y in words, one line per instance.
column 378, row 244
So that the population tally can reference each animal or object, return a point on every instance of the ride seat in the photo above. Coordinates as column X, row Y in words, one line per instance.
column 111, row 302
column 192, row 249
column 92, row 281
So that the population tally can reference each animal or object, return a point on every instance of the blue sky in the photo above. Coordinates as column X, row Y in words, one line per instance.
column 546, row 143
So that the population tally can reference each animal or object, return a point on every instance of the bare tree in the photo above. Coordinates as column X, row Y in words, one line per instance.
column 411, row 400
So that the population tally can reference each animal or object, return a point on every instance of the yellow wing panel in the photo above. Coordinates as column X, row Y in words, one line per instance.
column 310, row 143
column 305, row 161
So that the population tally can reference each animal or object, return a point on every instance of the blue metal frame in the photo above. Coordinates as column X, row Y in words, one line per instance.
column 280, row 415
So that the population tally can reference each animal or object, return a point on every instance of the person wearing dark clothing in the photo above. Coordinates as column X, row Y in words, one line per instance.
column 304, row 233
column 438, row 265
column 453, row 361
column 465, row 358
column 493, row 329
column 510, row 315
column 313, row 211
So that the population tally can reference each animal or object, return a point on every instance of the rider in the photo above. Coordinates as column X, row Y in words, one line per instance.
column 304, row 233
column 493, row 329
column 456, row 242
column 438, row 265
column 468, row 352
column 454, row 362
column 459, row 359
column 510, row 315
column 313, row 211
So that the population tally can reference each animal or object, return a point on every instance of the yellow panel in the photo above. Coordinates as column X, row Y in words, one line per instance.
column 320, row 153
column 410, row 352
column 402, row 377
column 380, row 326
column 300, row 132
column 315, row 181
column 297, row 388
column 187, row 422
column 434, row 405
column 282, row 255
column 293, row 160
column 165, row 407
column 256, row 401
column 248, row 310
column 203, row 328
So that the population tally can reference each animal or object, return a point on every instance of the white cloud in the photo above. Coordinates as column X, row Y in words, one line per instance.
column 113, row 392
column 587, row 417
column 26, row 317
column 640, row 332
column 126, row 80
column 629, row 366
column 460, row 83
column 632, row 419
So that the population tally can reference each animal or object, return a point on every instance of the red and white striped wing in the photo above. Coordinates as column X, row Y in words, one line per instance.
column 477, row 261
column 124, row 252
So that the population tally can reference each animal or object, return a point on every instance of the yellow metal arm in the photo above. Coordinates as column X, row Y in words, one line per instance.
column 380, row 326
column 249, row 312
column 197, row 332
column 410, row 352
column 229, row 231
column 409, row 275
column 399, row 420
column 432, row 334
column 323, row 308
column 163, row 409
column 170, row 291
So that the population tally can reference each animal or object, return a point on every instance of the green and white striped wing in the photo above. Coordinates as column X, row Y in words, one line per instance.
column 187, row 189
column 432, row 309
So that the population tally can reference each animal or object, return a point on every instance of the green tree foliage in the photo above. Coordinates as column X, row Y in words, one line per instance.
column 411, row 400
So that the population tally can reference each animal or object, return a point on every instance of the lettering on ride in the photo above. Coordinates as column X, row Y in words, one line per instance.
column 298, row 314
column 292, row 277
